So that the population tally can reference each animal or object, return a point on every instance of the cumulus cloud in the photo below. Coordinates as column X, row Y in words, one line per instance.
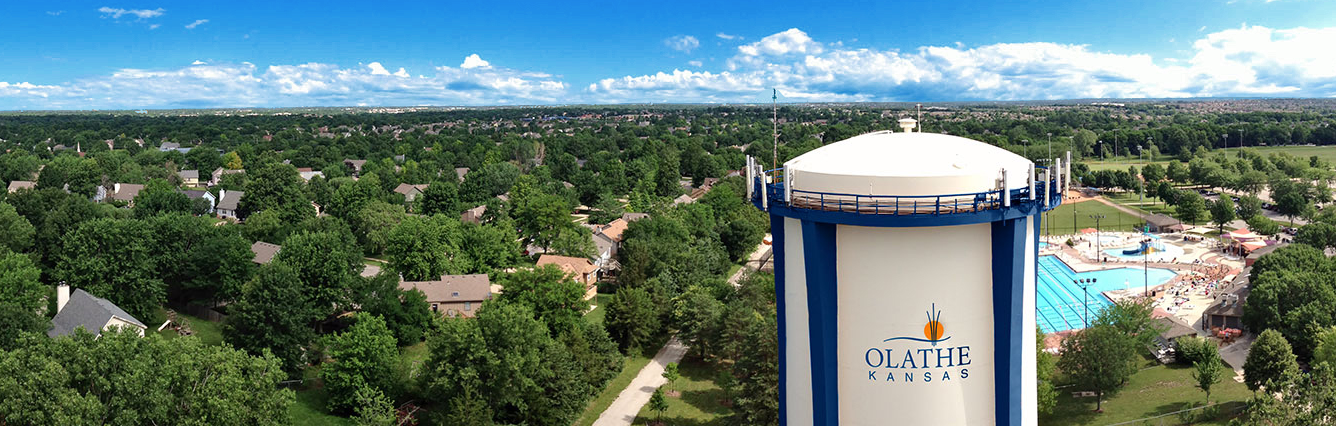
column 682, row 43
column 198, row 62
column 696, row 64
column 728, row 36
column 202, row 85
column 197, row 23
column 1251, row 61
column 474, row 61
column 117, row 13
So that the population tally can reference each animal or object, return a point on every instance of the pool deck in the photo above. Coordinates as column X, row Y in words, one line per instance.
column 1200, row 263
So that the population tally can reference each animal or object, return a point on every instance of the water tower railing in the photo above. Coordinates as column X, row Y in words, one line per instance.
column 897, row 204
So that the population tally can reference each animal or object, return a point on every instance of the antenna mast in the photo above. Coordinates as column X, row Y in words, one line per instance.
column 774, row 122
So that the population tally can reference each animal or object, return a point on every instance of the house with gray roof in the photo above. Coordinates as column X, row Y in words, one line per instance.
column 15, row 186
column 125, row 192
column 227, row 203
column 264, row 252
column 189, row 177
column 92, row 313
column 453, row 295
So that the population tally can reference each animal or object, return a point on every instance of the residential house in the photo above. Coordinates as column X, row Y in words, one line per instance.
column 355, row 166
column 173, row 146
column 92, row 313
column 228, row 202
column 473, row 215
column 125, row 192
column 683, row 199
column 581, row 270
column 460, row 172
column 15, row 186
column 189, row 177
column 217, row 176
column 411, row 192
column 632, row 217
column 608, row 238
column 454, row 295
column 195, row 194
column 264, row 252
column 307, row 173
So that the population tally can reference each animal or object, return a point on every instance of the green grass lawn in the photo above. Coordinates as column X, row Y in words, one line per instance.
column 1150, row 392
column 1059, row 220
column 600, row 311
column 634, row 363
column 1148, row 204
column 1121, row 163
column 208, row 332
column 700, row 402
column 1327, row 153
column 309, row 409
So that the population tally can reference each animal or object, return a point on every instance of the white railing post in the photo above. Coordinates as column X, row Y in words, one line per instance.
column 1006, row 194
column 788, row 185
column 1033, row 195
column 1057, row 175
column 751, row 182
column 1048, row 189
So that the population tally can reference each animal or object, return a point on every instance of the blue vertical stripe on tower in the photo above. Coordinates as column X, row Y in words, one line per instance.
column 1008, row 284
column 819, row 257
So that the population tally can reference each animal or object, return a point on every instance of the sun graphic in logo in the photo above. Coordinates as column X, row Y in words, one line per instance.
column 933, row 330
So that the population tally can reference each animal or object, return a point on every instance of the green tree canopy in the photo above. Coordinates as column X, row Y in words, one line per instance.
column 363, row 357
column 1269, row 361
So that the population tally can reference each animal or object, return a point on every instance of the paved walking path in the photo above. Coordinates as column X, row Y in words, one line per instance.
column 628, row 403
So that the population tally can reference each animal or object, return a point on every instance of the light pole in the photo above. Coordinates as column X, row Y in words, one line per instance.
column 1145, row 255
column 1224, row 140
column 1026, row 143
column 1099, row 145
column 1050, row 145
column 1099, row 255
column 1085, row 284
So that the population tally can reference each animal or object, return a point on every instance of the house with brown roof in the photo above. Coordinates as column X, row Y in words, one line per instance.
column 581, row 270
column 355, row 165
column 264, row 252
column 453, row 295
column 411, row 192
column 15, row 186
column 460, row 172
column 125, row 192
column 473, row 215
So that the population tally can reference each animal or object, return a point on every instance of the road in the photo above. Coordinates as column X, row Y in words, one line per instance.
column 628, row 403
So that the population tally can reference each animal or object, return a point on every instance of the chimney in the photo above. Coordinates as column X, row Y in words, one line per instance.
column 116, row 187
column 62, row 296
column 908, row 124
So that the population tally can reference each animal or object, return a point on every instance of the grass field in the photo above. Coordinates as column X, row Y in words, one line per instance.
column 1059, row 221
column 699, row 402
column 1155, row 390
column 1327, row 153
column 208, row 332
column 1150, row 205
column 309, row 409
column 630, row 369
column 600, row 311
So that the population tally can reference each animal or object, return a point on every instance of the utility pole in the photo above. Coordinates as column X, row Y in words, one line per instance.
column 1099, row 254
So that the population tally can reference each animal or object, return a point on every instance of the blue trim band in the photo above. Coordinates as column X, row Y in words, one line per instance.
column 777, row 259
column 893, row 221
column 1008, row 290
column 819, row 261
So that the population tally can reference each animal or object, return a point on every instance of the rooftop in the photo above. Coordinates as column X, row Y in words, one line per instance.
column 87, row 311
column 453, row 288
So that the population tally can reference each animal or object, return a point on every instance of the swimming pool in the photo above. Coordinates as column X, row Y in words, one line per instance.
column 1059, row 300
column 1169, row 253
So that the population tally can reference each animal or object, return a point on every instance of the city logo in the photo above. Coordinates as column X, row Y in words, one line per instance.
column 933, row 331
column 911, row 359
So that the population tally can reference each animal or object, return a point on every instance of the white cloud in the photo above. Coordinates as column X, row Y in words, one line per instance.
column 696, row 64
column 1253, row 61
column 116, row 13
column 55, row 13
column 728, row 36
column 197, row 23
column 682, row 43
column 474, row 61
column 1203, row 28
column 202, row 85
column 154, row 26
column 198, row 62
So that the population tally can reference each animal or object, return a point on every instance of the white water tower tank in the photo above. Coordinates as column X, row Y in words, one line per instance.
column 904, row 270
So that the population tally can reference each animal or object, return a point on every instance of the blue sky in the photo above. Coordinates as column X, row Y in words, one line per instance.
column 169, row 54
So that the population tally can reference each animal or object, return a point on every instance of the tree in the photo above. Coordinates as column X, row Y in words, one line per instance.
column 1291, row 198
column 606, row 210
column 20, row 283
column 364, row 356
column 441, row 197
column 1320, row 235
column 758, row 371
column 1263, row 225
column 372, row 408
column 152, row 380
column 658, row 404
column 232, row 161
column 632, row 320
column 486, row 248
column 1153, row 173
column 273, row 315
column 1295, row 399
column 1046, row 366
column 697, row 315
column 1222, row 212
column 159, row 197
column 1133, row 318
column 1098, row 358
column 267, row 226
column 1269, row 360
column 1167, row 193
column 353, row 195
column 1249, row 206
column 274, row 185
column 325, row 263
column 740, row 238
column 374, row 223
column 420, row 248
column 109, row 258
column 16, row 321
column 1207, row 373
column 574, row 241
column 16, row 234
column 552, row 296
column 1191, row 207
column 671, row 373
column 1177, row 173
column 1326, row 347
column 405, row 312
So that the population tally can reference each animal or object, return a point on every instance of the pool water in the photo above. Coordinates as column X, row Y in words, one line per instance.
column 1059, row 300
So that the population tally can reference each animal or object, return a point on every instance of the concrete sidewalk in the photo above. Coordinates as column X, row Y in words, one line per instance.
column 628, row 403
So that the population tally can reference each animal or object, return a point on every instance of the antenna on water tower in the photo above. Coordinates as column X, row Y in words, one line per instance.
column 774, row 122
column 918, row 108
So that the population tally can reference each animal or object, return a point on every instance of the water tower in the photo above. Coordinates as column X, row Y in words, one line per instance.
column 905, row 279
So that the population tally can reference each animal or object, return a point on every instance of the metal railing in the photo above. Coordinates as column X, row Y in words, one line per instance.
column 901, row 205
